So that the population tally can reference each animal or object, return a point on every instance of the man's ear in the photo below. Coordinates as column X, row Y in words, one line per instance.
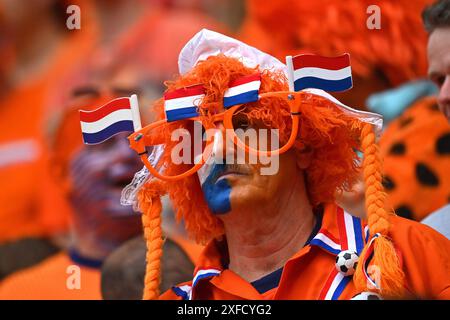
column 304, row 157
column 61, row 178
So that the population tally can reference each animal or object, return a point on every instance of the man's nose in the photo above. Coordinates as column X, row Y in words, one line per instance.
column 122, row 151
column 223, row 147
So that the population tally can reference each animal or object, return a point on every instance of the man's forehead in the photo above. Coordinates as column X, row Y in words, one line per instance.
column 439, row 51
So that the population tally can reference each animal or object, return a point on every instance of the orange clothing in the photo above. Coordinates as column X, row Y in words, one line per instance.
column 23, row 173
column 48, row 281
column 21, row 163
column 311, row 272
column 415, row 149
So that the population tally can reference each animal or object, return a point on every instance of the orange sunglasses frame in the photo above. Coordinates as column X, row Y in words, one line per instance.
column 138, row 141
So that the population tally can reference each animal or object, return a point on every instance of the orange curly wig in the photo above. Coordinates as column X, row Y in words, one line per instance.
column 326, row 129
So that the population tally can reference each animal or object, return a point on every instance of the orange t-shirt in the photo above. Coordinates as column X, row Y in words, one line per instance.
column 311, row 272
column 53, row 279
column 21, row 162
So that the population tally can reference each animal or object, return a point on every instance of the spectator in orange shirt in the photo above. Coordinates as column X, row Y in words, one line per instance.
column 278, row 235
column 99, row 224
column 123, row 271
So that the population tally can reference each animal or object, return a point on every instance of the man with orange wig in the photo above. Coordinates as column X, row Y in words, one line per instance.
column 266, row 209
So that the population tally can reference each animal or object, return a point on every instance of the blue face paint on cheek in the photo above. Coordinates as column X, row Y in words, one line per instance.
column 217, row 195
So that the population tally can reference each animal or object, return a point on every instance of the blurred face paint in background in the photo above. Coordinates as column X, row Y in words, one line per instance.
column 98, row 174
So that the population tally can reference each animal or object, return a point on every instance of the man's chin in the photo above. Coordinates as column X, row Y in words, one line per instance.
column 244, row 196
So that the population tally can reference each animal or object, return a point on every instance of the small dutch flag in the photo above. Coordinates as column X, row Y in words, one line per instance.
column 242, row 90
column 183, row 103
column 118, row 115
column 312, row 71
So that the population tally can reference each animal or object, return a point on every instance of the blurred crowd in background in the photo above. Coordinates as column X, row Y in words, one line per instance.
column 60, row 200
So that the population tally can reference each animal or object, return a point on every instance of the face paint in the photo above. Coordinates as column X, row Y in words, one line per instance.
column 217, row 193
column 98, row 174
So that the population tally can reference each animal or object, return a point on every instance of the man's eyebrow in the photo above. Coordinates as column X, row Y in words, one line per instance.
column 126, row 91
column 87, row 90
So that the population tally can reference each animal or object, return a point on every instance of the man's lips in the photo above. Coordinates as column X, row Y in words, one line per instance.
column 220, row 171
column 232, row 170
column 120, row 176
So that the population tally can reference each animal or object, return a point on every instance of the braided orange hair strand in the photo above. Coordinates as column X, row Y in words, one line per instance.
column 385, row 258
column 150, row 203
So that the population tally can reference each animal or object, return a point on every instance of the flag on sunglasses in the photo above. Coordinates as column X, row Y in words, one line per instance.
column 118, row 115
column 183, row 103
column 242, row 90
column 312, row 71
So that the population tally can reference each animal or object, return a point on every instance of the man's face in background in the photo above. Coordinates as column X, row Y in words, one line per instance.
column 439, row 66
column 98, row 173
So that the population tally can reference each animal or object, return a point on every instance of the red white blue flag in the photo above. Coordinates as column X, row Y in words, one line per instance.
column 118, row 115
column 312, row 71
column 242, row 90
column 183, row 103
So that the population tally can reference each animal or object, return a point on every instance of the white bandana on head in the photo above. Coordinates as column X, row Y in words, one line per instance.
column 208, row 43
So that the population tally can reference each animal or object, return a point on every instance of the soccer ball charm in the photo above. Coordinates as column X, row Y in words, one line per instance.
column 367, row 296
column 346, row 262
